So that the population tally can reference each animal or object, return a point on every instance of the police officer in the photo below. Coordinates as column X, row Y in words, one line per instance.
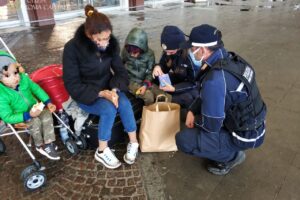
column 229, row 115
column 177, row 64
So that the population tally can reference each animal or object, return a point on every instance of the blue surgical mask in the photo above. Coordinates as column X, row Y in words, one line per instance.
column 197, row 63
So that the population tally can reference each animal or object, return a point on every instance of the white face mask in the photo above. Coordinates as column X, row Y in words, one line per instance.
column 103, row 48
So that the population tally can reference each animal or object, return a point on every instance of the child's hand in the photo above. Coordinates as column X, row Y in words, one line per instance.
column 34, row 112
column 21, row 69
column 141, row 90
column 51, row 107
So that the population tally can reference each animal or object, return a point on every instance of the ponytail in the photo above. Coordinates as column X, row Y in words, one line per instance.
column 95, row 22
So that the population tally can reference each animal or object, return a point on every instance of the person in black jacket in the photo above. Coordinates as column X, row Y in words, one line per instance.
column 96, row 78
column 179, row 66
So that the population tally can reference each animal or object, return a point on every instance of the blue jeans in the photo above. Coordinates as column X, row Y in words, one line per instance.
column 214, row 146
column 107, row 112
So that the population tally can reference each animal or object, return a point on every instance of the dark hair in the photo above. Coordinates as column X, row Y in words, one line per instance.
column 95, row 22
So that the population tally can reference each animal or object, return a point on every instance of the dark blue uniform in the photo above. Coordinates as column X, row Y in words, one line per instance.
column 210, row 139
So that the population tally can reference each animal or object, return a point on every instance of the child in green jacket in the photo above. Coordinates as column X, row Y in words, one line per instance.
column 18, row 104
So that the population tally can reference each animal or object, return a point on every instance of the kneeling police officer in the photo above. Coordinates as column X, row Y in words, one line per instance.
column 229, row 115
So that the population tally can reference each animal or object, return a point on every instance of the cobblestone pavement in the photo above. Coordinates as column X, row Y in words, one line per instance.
column 73, row 177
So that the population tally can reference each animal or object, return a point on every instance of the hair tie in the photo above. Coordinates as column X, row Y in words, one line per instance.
column 89, row 13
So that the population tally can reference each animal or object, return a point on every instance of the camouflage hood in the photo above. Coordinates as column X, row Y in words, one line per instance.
column 137, row 37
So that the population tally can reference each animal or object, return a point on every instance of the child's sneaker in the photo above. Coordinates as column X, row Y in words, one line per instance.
column 131, row 154
column 49, row 151
column 107, row 158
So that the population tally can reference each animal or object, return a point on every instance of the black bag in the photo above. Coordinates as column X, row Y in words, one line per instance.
column 90, row 127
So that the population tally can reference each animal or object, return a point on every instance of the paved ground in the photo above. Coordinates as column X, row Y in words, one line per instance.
column 266, row 33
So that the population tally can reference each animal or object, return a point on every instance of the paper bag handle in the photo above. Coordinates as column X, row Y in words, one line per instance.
column 157, row 107
column 161, row 95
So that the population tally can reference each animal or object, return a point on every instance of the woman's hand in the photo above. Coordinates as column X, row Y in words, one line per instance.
column 141, row 90
column 51, row 107
column 190, row 119
column 115, row 98
column 111, row 96
column 157, row 71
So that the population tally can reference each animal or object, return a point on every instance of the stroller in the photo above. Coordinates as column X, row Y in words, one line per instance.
column 50, row 79
column 32, row 176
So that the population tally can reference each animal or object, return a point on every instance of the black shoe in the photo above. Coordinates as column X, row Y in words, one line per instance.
column 220, row 168
column 49, row 151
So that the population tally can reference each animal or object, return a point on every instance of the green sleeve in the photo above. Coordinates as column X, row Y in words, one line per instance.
column 7, row 114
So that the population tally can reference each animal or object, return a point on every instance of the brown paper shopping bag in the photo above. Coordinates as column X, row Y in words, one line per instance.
column 160, row 123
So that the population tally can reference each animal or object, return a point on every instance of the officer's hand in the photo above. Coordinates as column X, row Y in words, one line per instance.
column 157, row 71
column 190, row 118
column 167, row 88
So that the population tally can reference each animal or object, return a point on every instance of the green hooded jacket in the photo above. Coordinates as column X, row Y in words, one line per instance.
column 139, row 69
column 14, row 103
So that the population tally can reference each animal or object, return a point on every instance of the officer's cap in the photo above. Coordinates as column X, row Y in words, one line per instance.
column 203, row 36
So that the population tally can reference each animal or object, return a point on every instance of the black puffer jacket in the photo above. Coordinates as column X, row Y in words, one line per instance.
column 87, row 71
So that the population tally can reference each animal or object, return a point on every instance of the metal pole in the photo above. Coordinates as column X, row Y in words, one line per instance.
column 22, row 142
column 63, row 123
column 6, row 47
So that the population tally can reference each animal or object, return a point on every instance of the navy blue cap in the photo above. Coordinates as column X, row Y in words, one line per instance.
column 203, row 36
column 171, row 38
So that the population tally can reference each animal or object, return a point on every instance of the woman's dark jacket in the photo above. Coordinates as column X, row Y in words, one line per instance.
column 87, row 71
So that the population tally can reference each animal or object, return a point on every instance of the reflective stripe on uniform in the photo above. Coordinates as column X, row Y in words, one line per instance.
column 248, row 140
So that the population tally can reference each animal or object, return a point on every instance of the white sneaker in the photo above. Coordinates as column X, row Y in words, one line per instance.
column 107, row 158
column 132, row 152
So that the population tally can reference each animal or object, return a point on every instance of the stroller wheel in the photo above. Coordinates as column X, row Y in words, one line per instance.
column 81, row 142
column 2, row 147
column 35, row 180
column 71, row 146
column 27, row 171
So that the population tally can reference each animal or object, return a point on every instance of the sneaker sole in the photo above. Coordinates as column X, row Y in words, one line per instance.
column 45, row 154
column 105, row 164
column 129, row 162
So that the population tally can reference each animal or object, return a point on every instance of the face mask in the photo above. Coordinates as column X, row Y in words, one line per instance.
column 197, row 63
column 11, row 81
column 102, row 48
